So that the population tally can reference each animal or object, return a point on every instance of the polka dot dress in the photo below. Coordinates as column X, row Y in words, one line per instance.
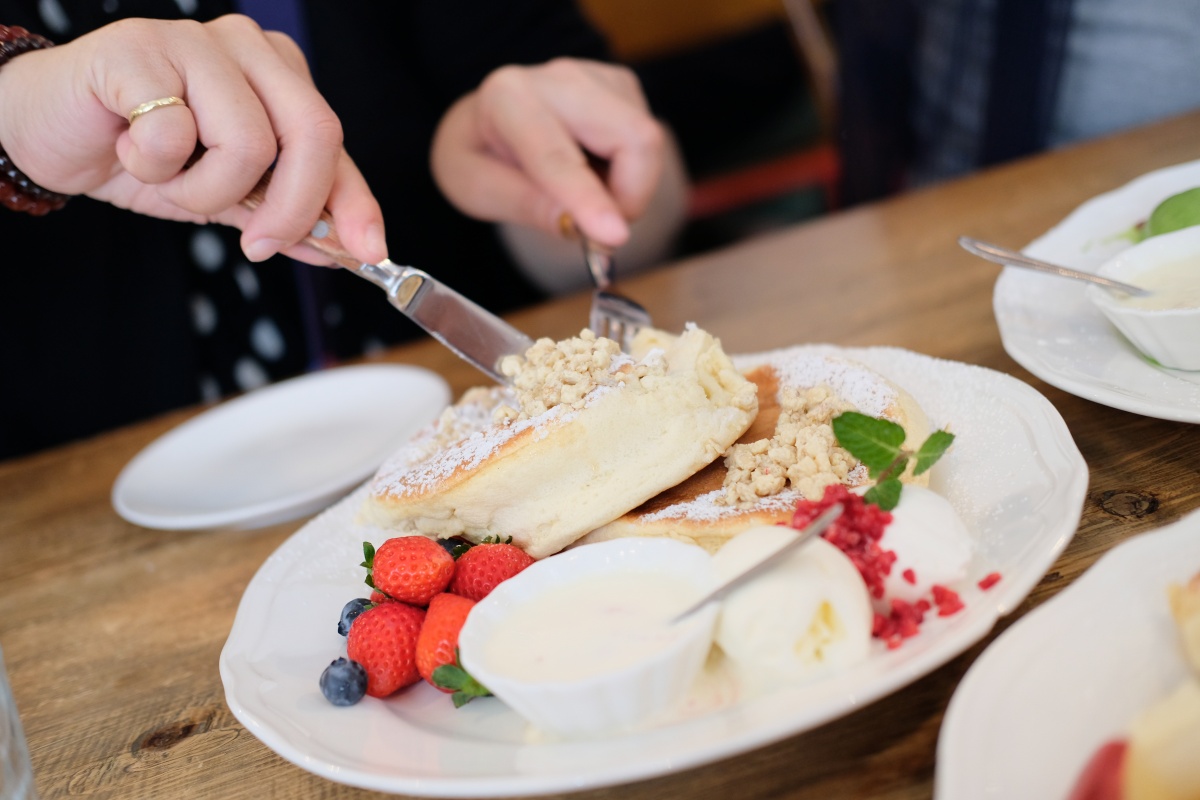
column 247, row 318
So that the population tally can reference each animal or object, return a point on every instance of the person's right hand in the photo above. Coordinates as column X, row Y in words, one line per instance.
column 250, row 103
column 516, row 149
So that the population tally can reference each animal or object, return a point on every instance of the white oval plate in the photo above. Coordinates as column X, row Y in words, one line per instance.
column 1014, row 474
column 279, row 452
column 1051, row 329
column 1070, row 676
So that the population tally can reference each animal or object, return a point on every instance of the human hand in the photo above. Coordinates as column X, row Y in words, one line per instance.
column 514, row 149
column 250, row 103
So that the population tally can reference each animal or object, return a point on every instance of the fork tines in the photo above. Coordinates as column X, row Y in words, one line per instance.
column 617, row 317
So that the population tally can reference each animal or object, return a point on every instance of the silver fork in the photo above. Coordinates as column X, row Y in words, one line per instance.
column 613, row 315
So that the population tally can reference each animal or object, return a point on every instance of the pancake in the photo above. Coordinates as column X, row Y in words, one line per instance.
column 585, row 434
column 805, row 390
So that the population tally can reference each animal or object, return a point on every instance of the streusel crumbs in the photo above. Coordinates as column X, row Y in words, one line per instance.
column 802, row 452
column 554, row 373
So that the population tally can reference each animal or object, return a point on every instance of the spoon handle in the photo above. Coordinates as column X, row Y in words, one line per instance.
column 814, row 528
column 1002, row 255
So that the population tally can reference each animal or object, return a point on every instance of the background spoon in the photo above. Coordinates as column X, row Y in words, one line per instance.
column 1013, row 258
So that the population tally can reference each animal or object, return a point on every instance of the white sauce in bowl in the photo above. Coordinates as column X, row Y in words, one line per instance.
column 597, row 625
column 1175, row 284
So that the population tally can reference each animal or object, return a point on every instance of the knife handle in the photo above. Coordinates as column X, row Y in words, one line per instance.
column 323, row 238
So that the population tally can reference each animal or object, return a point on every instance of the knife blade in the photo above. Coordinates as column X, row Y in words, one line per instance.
column 473, row 333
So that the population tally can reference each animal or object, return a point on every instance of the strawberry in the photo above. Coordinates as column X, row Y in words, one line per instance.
column 481, row 568
column 411, row 569
column 439, row 634
column 384, row 640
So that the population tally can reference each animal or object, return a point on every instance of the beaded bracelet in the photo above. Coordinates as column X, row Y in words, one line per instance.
column 17, row 192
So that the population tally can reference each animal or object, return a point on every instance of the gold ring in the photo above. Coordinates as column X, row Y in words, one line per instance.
column 146, row 108
column 566, row 226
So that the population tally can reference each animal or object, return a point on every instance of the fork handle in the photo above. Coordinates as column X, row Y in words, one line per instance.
column 323, row 238
column 599, row 259
column 600, row 263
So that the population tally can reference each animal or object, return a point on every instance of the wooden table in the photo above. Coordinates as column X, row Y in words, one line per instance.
column 112, row 632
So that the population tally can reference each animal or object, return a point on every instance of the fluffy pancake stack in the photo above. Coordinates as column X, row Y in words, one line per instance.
column 674, row 440
column 787, row 454
column 585, row 434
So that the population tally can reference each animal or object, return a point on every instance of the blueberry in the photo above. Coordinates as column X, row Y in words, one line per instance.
column 344, row 682
column 350, row 611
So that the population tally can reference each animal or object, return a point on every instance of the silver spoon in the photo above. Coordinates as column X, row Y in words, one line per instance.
column 1013, row 258
column 814, row 528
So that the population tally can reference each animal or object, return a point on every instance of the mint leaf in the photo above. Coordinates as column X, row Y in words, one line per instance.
column 933, row 449
column 874, row 442
column 895, row 469
column 885, row 494
column 877, row 443
column 466, row 688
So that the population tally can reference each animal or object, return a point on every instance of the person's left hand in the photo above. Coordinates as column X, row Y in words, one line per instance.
column 516, row 149
column 250, row 102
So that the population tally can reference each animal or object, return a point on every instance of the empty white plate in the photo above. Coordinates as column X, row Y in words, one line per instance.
column 279, row 452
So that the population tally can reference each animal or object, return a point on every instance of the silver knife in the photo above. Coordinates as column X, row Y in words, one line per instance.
column 475, row 334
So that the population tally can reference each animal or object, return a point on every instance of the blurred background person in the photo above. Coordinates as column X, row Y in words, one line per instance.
column 110, row 316
column 932, row 89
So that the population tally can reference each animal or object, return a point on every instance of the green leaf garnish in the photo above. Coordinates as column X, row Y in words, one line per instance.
column 933, row 449
column 874, row 442
column 885, row 494
column 368, row 562
column 1177, row 212
column 878, row 444
column 454, row 677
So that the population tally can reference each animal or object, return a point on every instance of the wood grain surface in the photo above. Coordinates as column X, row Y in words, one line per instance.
column 112, row 632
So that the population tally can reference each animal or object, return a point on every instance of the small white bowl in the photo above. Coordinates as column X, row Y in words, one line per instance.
column 1169, row 336
column 559, row 645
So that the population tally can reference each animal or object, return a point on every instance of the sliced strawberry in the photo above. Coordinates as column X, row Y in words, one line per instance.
column 384, row 640
column 439, row 634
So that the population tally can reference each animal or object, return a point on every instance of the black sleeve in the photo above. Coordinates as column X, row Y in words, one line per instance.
column 390, row 70
column 462, row 41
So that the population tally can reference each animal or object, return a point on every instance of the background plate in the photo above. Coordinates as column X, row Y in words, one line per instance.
column 1014, row 475
column 1071, row 675
column 1050, row 328
column 279, row 452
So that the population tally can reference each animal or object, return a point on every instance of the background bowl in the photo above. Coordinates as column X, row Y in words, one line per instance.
column 1169, row 336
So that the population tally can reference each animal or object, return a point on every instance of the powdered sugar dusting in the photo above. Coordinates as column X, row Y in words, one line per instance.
column 461, row 439
column 858, row 385
column 706, row 507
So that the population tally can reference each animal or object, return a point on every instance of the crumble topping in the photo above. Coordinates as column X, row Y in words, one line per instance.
column 803, row 451
column 552, row 374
